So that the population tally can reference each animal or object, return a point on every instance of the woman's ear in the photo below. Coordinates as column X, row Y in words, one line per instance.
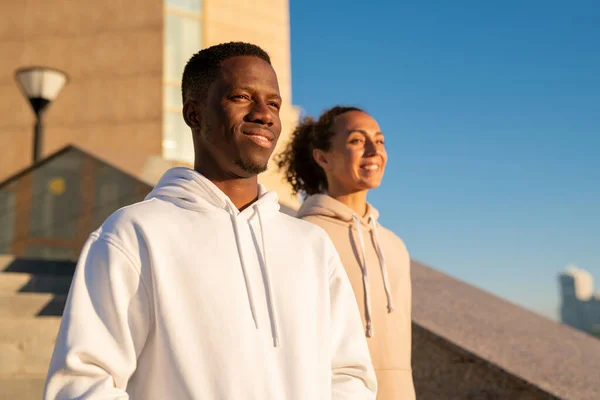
column 320, row 158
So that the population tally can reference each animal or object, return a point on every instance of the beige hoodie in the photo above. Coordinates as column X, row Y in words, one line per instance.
column 382, row 285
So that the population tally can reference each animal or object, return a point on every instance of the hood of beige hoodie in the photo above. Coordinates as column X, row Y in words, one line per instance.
column 324, row 205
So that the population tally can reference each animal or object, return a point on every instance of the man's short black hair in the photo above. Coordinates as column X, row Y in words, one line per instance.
column 204, row 66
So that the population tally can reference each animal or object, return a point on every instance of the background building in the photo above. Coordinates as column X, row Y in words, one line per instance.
column 580, row 307
column 124, row 60
column 48, row 210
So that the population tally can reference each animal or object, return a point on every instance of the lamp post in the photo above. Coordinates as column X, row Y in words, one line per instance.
column 40, row 85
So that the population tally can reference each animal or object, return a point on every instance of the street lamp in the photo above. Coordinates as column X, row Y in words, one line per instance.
column 40, row 85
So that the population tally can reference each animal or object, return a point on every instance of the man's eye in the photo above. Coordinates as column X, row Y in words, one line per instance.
column 275, row 105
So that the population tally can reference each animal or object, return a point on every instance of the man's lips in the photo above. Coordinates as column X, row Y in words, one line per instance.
column 262, row 137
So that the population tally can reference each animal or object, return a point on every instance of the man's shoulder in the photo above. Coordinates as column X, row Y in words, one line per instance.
column 134, row 214
column 131, row 224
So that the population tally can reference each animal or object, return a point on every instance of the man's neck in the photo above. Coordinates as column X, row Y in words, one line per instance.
column 357, row 201
column 241, row 192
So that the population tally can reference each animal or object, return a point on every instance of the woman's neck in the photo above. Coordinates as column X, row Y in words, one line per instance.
column 357, row 201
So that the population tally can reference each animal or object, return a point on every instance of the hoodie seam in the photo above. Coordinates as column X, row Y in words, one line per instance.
column 336, row 221
column 332, row 270
column 111, row 240
column 325, row 217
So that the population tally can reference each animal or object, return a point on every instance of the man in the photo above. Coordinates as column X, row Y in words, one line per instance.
column 205, row 290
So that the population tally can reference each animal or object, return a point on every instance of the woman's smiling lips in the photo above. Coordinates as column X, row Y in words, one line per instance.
column 370, row 166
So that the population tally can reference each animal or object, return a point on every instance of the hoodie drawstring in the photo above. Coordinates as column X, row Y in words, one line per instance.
column 236, row 230
column 365, row 277
column 384, row 273
column 265, row 274
column 264, row 266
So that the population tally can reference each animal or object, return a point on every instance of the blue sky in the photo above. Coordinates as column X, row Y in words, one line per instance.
column 492, row 118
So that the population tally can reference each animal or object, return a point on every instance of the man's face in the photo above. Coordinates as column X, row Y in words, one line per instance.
column 240, row 122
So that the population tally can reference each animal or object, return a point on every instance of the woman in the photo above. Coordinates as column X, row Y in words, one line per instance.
column 335, row 161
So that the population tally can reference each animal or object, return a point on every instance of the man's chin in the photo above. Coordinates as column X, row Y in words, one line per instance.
column 251, row 168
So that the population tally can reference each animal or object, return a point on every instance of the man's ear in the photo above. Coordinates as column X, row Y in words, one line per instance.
column 320, row 158
column 192, row 110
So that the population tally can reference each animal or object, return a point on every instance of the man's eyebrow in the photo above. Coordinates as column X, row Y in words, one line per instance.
column 244, row 87
column 251, row 89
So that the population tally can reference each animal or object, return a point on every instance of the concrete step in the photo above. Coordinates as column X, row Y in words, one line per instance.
column 21, row 387
column 16, row 282
column 31, row 304
column 9, row 263
column 26, row 345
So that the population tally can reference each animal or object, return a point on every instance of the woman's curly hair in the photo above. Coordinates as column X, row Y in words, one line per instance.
column 297, row 161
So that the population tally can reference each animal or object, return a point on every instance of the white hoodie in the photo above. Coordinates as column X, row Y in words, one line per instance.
column 182, row 296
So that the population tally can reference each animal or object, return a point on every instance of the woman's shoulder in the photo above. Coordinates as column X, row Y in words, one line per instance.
column 391, row 238
column 323, row 221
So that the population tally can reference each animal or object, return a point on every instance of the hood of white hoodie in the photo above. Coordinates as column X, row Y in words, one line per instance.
column 188, row 189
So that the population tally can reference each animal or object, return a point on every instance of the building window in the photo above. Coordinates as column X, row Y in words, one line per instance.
column 177, row 142
column 172, row 97
column 183, row 38
column 185, row 5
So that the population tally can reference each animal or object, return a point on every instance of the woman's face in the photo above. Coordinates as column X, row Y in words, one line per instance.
column 357, row 157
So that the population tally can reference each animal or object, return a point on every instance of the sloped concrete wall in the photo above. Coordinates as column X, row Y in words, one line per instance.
column 442, row 370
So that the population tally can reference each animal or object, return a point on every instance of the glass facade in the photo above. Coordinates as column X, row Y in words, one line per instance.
column 183, row 38
column 185, row 5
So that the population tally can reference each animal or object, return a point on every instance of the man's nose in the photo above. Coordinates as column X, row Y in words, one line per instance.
column 261, row 114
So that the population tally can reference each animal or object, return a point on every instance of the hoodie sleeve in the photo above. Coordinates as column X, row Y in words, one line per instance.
column 353, row 375
column 104, row 326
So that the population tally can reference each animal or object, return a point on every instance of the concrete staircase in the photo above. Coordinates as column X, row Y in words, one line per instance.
column 32, row 298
